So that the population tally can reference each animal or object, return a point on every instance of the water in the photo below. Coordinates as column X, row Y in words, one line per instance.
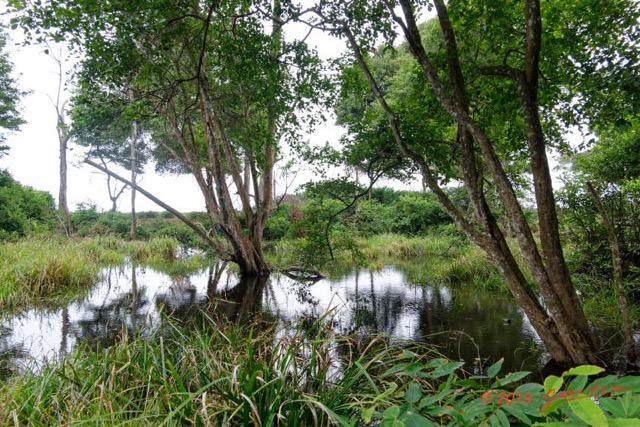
column 465, row 323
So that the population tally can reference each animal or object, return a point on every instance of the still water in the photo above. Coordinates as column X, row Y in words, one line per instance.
column 464, row 323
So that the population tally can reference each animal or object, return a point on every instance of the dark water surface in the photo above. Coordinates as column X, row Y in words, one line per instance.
column 466, row 323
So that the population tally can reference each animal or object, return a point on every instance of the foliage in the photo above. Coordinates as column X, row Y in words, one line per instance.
column 612, row 164
column 416, row 213
column 10, row 95
column 101, row 120
column 23, row 209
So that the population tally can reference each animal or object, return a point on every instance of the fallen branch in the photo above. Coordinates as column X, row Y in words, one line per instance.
column 303, row 274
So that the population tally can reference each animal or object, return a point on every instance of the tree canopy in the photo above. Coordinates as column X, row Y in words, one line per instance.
column 10, row 118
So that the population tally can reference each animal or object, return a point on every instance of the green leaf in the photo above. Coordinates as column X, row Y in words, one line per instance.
column 552, row 384
column 584, row 370
column 512, row 377
column 392, row 412
column 504, row 420
column 412, row 419
column 495, row 368
column 625, row 422
column 578, row 383
column 414, row 392
column 517, row 410
column 559, row 424
column 446, row 369
column 367, row 414
column 588, row 411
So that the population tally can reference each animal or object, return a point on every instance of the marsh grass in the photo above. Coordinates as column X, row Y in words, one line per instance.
column 38, row 267
column 53, row 268
column 438, row 258
column 216, row 374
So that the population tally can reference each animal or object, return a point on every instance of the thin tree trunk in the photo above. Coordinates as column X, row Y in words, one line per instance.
column 63, row 207
column 134, row 165
column 63, row 140
column 617, row 274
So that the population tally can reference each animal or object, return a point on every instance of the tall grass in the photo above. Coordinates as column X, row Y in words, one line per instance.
column 50, row 267
column 38, row 267
column 435, row 258
column 217, row 374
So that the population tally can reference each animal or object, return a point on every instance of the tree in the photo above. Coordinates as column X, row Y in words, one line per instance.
column 10, row 118
column 22, row 209
column 105, row 121
column 64, row 136
column 223, row 84
column 608, row 172
column 485, row 76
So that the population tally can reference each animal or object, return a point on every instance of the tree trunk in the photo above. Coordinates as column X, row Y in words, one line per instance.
column 617, row 275
column 134, row 165
column 63, row 138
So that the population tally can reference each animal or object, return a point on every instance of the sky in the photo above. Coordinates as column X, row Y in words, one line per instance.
column 33, row 158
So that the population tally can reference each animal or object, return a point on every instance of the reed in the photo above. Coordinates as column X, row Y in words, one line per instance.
column 39, row 267
column 216, row 374
column 52, row 268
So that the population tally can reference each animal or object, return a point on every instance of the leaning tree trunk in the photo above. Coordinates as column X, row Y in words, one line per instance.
column 560, row 322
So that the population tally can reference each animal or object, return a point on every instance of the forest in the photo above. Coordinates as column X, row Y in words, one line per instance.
column 500, row 287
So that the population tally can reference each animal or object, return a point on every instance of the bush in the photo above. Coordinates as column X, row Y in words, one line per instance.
column 416, row 213
column 23, row 209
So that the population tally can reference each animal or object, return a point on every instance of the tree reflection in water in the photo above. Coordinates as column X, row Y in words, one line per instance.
column 131, row 302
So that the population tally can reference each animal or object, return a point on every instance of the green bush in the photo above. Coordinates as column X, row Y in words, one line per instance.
column 23, row 209
column 417, row 213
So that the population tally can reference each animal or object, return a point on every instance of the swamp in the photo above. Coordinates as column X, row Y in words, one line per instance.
column 311, row 213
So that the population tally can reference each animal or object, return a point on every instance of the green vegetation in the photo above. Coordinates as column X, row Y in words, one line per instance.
column 53, row 269
column 225, row 374
column 23, row 210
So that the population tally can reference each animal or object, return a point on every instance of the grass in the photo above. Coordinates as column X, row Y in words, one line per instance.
column 217, row 374
column 53, row 269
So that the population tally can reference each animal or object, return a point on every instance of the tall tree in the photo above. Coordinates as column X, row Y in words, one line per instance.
column 484, row 74
column 223, row 82
column 64, row 135
column 112, row 124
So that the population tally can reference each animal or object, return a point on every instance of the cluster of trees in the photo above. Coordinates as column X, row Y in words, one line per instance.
column 477, row 95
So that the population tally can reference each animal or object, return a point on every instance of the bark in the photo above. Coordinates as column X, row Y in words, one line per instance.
column 63, row 139
column 617, row 274
column 134, row 164
column 63, row 207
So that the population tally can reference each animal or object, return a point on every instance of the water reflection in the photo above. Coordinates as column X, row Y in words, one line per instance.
column 130, row 300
